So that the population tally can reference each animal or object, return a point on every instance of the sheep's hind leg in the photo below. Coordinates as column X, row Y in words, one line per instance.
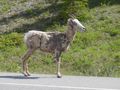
column 24, row 62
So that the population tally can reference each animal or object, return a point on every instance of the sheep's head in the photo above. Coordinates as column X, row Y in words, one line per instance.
column 76, row 24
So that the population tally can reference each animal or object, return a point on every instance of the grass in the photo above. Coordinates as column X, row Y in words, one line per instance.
column 95, row 52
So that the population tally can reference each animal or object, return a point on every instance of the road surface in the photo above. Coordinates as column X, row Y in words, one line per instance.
column 16, row 81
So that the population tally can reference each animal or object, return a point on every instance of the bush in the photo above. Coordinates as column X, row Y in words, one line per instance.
column 10, row 40
column 73, row 7
column 93, row 3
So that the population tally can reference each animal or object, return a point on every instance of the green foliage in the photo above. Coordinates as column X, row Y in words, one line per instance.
column 10, row 40
column 94, row 52
column 113, row 32
column 93, row 3
column 73, row 7
column 4, row 6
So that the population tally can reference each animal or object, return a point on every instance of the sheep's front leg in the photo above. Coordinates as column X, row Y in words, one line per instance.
column 24, row 62
column 57, row 58
column 58, row 69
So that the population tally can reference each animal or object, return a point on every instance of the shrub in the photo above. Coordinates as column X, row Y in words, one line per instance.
column 73, row 7
column 10, row 40
column 93, row 3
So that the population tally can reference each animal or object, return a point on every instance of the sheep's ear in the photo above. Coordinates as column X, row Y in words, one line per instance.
column 70, row 21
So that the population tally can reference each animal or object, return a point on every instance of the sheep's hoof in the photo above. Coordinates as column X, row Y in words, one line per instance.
column 26, row 74
column 59, row 76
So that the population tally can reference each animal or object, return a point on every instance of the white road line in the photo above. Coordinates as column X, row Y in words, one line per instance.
column 54, row 86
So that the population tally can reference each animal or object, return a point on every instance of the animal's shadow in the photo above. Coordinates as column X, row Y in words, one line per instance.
column 19, row 77
column 23, row 77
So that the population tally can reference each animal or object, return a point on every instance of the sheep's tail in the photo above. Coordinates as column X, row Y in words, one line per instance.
column 26, row 37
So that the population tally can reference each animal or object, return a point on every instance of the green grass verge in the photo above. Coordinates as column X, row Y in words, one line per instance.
column 95, row 52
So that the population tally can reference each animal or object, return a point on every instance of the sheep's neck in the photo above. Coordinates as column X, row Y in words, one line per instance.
column 70, row 33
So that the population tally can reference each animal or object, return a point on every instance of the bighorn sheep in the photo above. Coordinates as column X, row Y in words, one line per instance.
column 52, row 42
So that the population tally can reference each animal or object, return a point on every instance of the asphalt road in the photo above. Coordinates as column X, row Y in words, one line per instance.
column 16, row 81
